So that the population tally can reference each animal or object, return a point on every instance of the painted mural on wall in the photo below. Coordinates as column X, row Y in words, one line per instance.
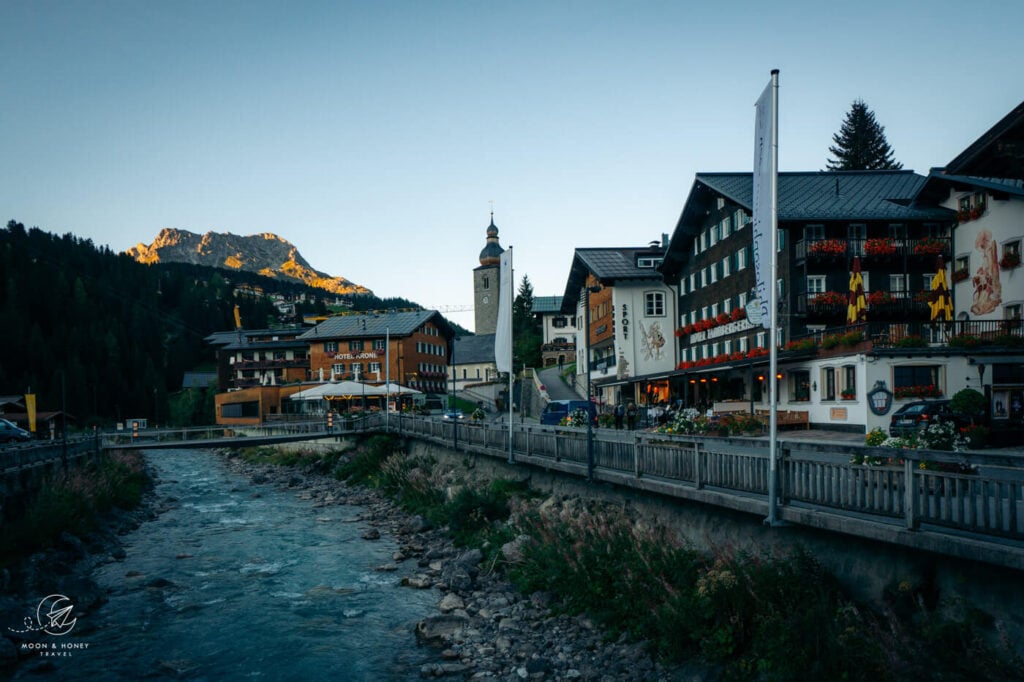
column 988, row 292
column 651, row 341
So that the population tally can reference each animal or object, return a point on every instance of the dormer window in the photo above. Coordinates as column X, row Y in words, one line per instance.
column 648, row 262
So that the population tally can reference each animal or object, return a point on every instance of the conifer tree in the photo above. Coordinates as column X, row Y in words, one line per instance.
column 860, row 144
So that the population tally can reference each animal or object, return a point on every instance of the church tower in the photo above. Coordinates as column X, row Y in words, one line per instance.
column 486, row 282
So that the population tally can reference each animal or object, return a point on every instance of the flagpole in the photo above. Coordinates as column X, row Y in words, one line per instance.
column 773, row 309
column 511, row 317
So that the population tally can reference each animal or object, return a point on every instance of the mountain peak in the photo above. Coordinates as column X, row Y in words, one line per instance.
column 264, row 253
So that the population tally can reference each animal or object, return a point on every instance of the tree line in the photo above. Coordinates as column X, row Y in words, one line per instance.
column 109, row 338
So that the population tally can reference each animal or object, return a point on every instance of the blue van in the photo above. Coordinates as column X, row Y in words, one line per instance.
column 557, row 410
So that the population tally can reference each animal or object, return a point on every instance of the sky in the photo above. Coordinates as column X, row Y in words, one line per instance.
column 377, row 136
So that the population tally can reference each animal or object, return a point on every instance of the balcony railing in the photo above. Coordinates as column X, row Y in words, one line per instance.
column 882, row 305
column 962, row 334
column 873, row 250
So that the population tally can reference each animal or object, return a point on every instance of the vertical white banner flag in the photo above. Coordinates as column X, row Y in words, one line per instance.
column 503, row 328
column 762, row 223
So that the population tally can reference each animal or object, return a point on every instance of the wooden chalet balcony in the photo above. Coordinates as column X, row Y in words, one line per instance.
column 882, row 305
column 884, row 253
column 270, row 364
column 966, row 335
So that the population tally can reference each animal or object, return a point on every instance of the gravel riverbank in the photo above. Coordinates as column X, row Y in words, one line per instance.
column 484, row 628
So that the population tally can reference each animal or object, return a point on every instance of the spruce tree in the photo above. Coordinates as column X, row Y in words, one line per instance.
column 860, row 144
column 526, row 331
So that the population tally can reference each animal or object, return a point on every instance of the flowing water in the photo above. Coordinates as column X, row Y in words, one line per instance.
column 230, row 584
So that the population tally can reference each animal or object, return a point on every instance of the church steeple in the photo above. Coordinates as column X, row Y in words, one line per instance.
column 486, row 282
column 491, row 255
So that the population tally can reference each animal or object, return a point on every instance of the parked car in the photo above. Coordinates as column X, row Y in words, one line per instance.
column 453, row 416
column 557, row 410
column 919, row 415
column 9, row 431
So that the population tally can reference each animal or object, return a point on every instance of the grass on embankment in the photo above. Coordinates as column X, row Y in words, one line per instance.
column 746, row 616
column 72, row 502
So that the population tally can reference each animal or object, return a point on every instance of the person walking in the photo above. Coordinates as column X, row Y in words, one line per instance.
column 631, row 413
column 620, row 413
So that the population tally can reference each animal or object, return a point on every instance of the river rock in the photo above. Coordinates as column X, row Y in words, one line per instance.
column 75, row 546
column 371, row 534
column 444, row 627
column 419, row 582
column 451, row 602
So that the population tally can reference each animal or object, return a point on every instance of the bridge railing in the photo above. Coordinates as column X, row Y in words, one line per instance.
column 45, row 452
column 977, row 493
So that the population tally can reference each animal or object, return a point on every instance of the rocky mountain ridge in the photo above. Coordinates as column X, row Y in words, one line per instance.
column 264, row 253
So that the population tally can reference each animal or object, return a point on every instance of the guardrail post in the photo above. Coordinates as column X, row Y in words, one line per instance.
column 909, row 495
column 698, row 461
column 636, row 455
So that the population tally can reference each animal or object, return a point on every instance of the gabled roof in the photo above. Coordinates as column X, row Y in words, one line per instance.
column 473, row 350
column 813, row 196
column 999, row 152
column 939, row 182
column 825, row 195
column 609, row 265
column 546, row 304
column 376, row 325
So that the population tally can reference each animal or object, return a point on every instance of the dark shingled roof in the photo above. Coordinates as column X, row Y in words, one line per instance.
column 844, row 195
column 608, row 265
column 375, row 325
column 999, row 152
column 937, row 187
column 813, row 196
column 475, row 349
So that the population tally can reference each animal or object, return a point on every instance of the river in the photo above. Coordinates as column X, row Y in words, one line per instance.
column 242, row 581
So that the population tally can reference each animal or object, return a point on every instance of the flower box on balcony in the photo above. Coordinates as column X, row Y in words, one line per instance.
column 829, row 298
column 848, row 395
column 880, row 247
column 959, row 275
column 977, row 212
column 828, row 247
column 879, row 298
column 929, row 247
column 963, row 216
column 928, row 391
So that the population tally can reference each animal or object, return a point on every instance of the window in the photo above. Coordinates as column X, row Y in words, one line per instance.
column 648, row 262
column 485, row 282
column 356, row 344
column 654, row 304
column 979, row 200
column 726, row 225
column 782, row 239
column 856, row 233
column 799, row 385
column 704, row 277
column 725, row 267
column 1011, row 251
column 374, row 367
column 338, row 368
column 740, row 219
column 726, row 306
column 559, row 322
column 899, row 284
column 741, row 259
column 759, row 340
column 741, row 299
column 814, row 232
column 964, row 203
column 714, row 272
column 703, row 241
column 330, row 346
column 915, row 375
column 682, row 286
column 727, row 346
column 849, row 388
column 693, row 281
column 357, row 369
column 696, row 248
column 743, row 344
column 713, row 235
column 828, row 383
column 962, row 263
column 378, row 344
column 897, row 230
column 815, row 285
column 1012, row 311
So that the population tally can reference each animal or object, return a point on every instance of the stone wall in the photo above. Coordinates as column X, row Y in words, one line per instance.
column 866, row 568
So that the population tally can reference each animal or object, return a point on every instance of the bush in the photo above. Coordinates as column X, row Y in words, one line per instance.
column 875, row 437
column 968, row 403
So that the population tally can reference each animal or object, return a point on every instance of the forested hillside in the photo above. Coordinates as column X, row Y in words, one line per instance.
column 120, row 334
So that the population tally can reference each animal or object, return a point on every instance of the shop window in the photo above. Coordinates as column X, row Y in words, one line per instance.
column 915, row 381
column 799, row 385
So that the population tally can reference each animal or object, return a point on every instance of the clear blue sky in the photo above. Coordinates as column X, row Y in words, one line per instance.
column 373, row 135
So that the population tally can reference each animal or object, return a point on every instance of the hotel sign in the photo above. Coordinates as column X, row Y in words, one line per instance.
column 722, row 330
column 355, row 356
